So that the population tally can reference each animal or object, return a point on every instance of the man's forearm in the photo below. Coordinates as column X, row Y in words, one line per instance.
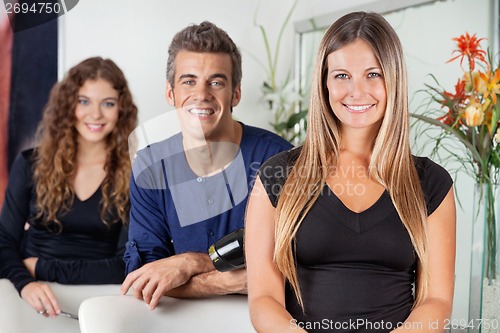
column 211, row 284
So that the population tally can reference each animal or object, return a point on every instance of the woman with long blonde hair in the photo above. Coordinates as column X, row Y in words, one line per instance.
column 351, row 232
column 65, row 214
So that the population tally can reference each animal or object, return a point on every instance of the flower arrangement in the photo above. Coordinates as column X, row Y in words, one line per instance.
column 471, row 115
column 280, row 96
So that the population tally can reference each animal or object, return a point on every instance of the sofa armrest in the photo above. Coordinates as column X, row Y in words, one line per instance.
column 125, row 313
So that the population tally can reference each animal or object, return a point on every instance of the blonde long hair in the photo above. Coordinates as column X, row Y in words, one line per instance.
column 55, row 156
column 391, row 164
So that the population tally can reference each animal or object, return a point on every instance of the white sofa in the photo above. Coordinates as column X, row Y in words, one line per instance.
column 126, row 314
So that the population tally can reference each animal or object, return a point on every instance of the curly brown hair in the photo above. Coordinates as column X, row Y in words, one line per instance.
column 55, row 162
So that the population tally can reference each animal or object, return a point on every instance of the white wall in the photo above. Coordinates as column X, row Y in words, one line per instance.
column 136, row 36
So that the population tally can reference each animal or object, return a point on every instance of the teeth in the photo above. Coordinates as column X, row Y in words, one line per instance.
column 94, row 127
column 358, row 107
column 201, row 112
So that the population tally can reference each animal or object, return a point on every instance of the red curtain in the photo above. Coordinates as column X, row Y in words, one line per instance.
column 5, row 75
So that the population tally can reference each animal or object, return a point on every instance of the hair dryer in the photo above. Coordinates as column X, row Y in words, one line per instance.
column 227, row 253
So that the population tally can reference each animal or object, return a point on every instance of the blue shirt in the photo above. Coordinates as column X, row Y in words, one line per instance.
column 175, row 211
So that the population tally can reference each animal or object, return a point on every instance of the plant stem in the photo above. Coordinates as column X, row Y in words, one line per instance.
column 491, row 244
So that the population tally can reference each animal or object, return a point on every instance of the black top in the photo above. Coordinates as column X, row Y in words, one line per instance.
column 86, row 251
column 355, row 270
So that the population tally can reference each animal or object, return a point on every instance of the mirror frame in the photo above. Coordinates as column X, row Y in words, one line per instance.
column 379, row 6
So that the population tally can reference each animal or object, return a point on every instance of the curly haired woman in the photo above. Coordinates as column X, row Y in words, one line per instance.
column 66, row 205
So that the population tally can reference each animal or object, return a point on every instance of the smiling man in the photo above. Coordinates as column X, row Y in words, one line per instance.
column 190, row 190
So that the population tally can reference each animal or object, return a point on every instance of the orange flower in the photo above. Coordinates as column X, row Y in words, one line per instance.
column 474, row 114
column 488, row 111
column 476, row 84
column 452, row 101
column 470, row 47
column 459, row 90
column 491, row 82
column 448, row 119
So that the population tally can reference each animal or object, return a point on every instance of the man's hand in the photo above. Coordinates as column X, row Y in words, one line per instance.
column 155, row 279
column 233, row 282
column 212, row 283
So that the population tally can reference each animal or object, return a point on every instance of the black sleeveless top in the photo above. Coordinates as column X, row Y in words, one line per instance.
column 355, row 270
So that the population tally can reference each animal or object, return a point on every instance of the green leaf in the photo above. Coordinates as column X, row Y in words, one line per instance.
column 280, row 127
column 295, row 118
column 280, row 35
column 477, row 157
